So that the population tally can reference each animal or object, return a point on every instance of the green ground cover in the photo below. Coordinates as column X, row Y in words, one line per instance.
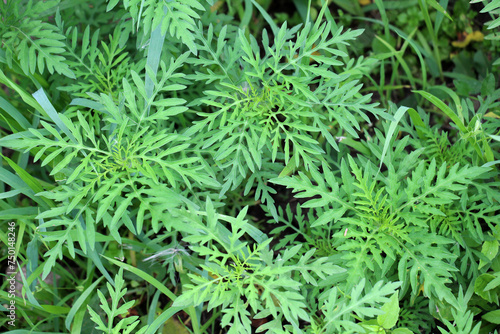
column 248, row 166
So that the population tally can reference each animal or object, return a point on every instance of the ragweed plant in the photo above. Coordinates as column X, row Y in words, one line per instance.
column 146, row 151
column 274, row 101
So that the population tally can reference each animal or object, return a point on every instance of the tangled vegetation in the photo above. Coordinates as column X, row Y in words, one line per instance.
column 248, row 166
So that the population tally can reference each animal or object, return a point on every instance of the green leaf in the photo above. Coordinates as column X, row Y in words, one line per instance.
column 444, row 108
column 493, row 317
column 391, row 315
column 397, row 117
column 439, row 8
column 490, row 250
column 32, row 182
column 328, row 216
column 41, row 98
column 79, row 302
column 14, row 113
column 480, row 288
column 417, row 121
column 266, row 17
column 111, row 5
column 148, row 278
column 402, row 331
column 162, row 318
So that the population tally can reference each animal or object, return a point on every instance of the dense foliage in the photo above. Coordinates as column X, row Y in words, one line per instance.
column 241, row 166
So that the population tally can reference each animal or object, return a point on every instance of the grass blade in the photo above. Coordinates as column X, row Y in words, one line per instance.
column 79, row 302
column 397, row 117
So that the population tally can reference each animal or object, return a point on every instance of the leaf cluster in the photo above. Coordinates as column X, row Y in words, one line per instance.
column 163, row 160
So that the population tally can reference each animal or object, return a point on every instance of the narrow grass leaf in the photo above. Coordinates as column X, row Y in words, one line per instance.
column 148, row 278
column 42, row 99
column 397, row 117
column 77, row 304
